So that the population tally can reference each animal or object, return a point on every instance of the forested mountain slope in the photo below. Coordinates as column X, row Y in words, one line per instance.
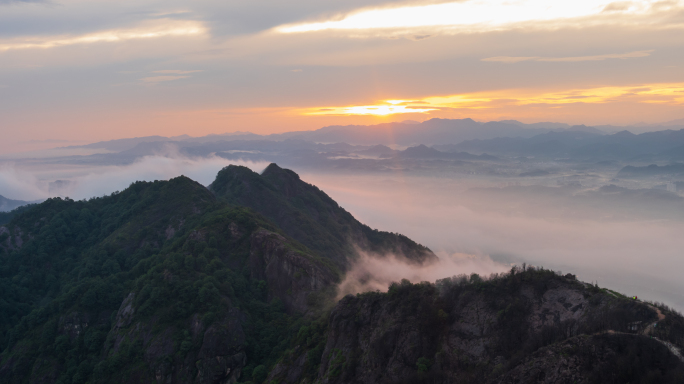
column 525, row 326
column 7, row 205
column 309, row 215
column 162, row 281
column 170, row 282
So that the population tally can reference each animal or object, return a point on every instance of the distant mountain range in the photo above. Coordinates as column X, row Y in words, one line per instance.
column 410, row 133
column 430, row 132
column 7, row 205
column 652, row 170
column 624, row 145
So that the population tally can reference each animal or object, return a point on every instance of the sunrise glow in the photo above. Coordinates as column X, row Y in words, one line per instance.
column 377, row 110
column 482, row 15
column 670, row 94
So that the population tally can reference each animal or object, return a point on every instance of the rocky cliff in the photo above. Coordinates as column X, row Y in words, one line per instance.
column 300, row 280
column 467, row 330
column 164, row 282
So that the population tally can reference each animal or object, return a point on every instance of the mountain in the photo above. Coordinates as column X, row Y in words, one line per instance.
column 377, row 150
column 169, row 281
column 6, row 217
column 677, row 122
column 122, row 144
column 651, row 170
column 310, row 216
column 580, row 144
column 406, row 133
column 433, row 131
column 526, row 326
column 424, row 152
column 543, row 125
column 172, row 282
column 119, row 145
column 7, row 205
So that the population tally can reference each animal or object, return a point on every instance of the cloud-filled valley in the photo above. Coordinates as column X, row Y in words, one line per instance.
column 373, row 191
column 577, row 215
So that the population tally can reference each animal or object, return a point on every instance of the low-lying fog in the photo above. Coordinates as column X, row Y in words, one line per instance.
column 629, row 240
column 635, row 256
column 27, row 182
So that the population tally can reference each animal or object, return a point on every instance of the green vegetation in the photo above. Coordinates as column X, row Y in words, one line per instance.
column 475, row 329
column 6, row 217
column 167, row 282
column 182, row 255
column 308, row 215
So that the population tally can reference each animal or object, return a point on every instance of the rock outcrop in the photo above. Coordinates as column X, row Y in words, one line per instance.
column 602, row 358
column 299, row 279
column 218, row 360
column 473, row 333
column 308, row 215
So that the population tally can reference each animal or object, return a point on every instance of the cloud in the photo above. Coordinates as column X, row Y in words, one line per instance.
column 483, row 16
column 22, row 184
column 629, row 55
column 177, row 71
column 377, row 272
column 510, row 59
column 159, row 79
column 618, row 6
column 666, row 94
column 7, row 2
column 18, row 185
column 376, row 110
column 420, row 37
column 150, row 30
column 168, row 75
column 631, row 256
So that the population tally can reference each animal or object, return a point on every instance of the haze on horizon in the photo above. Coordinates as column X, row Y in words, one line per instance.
column 77, row 71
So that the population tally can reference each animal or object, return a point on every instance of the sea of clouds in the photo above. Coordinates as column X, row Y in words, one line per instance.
column 25, row 183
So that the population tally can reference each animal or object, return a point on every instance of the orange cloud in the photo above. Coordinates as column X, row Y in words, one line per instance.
column 670, row 94
column 514, row 59
column 377, row 110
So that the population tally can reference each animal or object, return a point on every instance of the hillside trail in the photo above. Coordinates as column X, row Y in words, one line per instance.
column 649, row 329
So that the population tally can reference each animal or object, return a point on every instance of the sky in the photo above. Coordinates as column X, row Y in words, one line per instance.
column 78, row 71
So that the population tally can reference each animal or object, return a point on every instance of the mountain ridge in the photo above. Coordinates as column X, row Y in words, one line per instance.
column 172, row 282
column 309, row 215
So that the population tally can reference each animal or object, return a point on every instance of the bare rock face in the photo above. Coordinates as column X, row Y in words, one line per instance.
column 470, row 333
column 126, row 311
column 219, row 359
column 592, row 359
column 222, row 357
column 558, row 305
column 74, row 324
column 292, row 275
